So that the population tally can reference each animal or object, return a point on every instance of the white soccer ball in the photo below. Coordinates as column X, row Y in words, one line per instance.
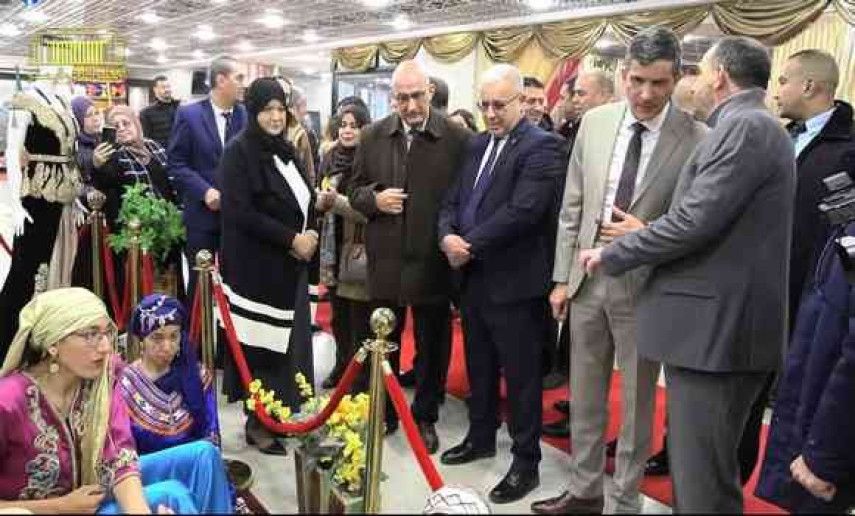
column 455, row 500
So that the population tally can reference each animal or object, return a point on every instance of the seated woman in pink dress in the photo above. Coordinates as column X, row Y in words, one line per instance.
column 65, row 439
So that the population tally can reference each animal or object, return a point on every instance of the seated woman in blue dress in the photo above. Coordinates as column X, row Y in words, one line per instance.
column 65, row 438
column 169, row 394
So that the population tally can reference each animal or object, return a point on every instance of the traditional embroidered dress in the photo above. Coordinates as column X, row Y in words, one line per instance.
column 181, row 405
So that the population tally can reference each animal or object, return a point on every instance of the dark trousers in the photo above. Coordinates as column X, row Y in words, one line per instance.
column 432, row 332
column 707, row 414
column 342, row 327
column 504, row 337
column 30, row 250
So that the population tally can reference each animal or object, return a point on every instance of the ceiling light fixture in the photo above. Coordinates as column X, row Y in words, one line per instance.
column 205, row 33
column 245, row 46
column 199, row 54
column 375, row 4
column 308, row 71
column 150, row 17
column 272, row 19
column 310, row 36
column 401, row 22
column 34, row 17
column 162, row 59
column 158, row 44
column 9, row 30
column 540, row 5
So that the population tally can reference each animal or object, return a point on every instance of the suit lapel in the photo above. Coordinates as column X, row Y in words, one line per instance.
column 505, row 157
column 211, row 124
column 476, row 164
column 599, row 173
column 665, row 146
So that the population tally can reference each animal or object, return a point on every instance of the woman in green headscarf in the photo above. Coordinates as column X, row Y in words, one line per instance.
column 65, row 439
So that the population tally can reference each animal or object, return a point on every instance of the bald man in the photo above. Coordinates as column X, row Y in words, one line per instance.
column 403, row 166
column 684, row 94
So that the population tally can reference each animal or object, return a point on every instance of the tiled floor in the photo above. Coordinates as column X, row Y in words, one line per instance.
column 405, row 490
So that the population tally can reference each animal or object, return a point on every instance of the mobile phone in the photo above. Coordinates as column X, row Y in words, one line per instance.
column 108, row 135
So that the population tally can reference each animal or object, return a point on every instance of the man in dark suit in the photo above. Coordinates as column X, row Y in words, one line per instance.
column 714, row 310
column 156, row 119
column 494, row 228
column 200, row 132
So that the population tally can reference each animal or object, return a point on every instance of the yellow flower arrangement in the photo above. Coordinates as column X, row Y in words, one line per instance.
column 347, row 426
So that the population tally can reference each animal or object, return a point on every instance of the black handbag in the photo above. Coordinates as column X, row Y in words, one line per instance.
column 354, row 259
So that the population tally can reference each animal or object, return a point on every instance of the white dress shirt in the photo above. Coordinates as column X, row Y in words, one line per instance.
column 487, row 152
column 407, row 132
column 221, row 121
column 813, row 126
column 648, row 143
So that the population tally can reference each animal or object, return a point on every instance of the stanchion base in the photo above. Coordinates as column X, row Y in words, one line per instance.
column 240, row 473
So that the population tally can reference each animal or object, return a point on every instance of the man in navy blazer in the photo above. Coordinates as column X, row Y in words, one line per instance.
column 199, row 133
column 494, row 228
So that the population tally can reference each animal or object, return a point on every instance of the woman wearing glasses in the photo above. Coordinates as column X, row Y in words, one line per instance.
column 168, row 393
column 65, row 440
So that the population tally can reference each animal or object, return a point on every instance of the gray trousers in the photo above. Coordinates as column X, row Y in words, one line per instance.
column 602, row 321
column 707, row 413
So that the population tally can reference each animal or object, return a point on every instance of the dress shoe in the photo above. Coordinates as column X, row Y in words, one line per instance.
column 465, row 453
column 408, row 379
column 267, row 445
column 560, row 428
column 658, row 465
column 515, row 486
column 428, row 433
column 562, row 406
column 566, row 503
column 611, row 448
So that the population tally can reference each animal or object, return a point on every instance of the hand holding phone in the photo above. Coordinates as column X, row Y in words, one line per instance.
column 108, row 135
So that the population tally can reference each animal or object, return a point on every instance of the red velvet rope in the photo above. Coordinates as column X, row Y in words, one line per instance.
column 393, row 388
column 110, row 273
column 196, row 319
column 82, row 231
column 273, row 425
column 5, row 246
column 147, row 277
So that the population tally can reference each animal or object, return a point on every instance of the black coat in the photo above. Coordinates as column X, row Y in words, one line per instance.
column 156, row 121
column 822, row 157
column 405, row 263
column 260, row 217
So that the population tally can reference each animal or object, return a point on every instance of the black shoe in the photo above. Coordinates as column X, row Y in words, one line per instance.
column 658, row 465
column 428, row 433
column 464, row 453
column 562, row 406
column 273, row 447
column 408, row 379
column 560, row 428
column 515, row 486
column 611, row 448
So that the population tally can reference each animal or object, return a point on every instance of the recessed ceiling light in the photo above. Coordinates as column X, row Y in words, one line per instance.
column 272, row 21
column 310, row 36
column 162, row 59
column 9, row 30
column 199, row 54
column 219, row 1
column 539, row 5
column 31, row 16
column 401, row 22
column 158, row 44
column 245, row 46
column 308, row 71
column 150, row 17
column 688, row 38
column 375, row 4
column 128, row 52
column 204, row 33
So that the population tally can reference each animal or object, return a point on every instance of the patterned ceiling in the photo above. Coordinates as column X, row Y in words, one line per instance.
column 186, row 30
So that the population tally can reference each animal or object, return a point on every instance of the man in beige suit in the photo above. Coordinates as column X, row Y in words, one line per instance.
column 622, row 173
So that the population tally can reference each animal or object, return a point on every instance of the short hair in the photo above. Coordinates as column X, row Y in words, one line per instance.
column 654, row 44
column 360, row 114
column 503, row 72
column 468, row 119
column 605, row 81
column 159, row 78
column 819, row 66
column 349, row 100
column 532, row 82
column 221, row 65
column 746, row 61
column 440, row 94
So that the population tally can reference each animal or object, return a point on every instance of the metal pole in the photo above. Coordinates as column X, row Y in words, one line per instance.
column 96, row 201
column 204, row 263
column 133, row 282
column 382, row 324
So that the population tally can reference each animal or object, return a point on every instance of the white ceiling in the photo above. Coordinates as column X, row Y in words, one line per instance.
column 237, row 29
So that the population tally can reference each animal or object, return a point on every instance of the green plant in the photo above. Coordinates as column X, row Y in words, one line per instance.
column 162, row 229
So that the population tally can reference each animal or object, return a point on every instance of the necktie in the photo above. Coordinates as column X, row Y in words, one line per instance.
column 796, row 129
column 411, row 136
column 228, row 134
column 626, row 185
column 467, row 217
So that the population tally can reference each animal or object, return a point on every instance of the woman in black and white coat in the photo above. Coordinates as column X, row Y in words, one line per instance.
column 267, row 243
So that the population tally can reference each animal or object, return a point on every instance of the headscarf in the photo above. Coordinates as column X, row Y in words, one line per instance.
column 154, row 312
column 137, row 146
column 79, row 106
column 256, row 98
column 44, row 321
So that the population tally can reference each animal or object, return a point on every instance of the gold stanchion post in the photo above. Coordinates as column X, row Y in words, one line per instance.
column 204, row 263
column 133, row 282
column 96, row 200
column 382, row 324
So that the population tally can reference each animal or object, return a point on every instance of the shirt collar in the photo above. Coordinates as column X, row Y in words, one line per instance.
column 817, row 122
column 653, row 125
column 219, row 111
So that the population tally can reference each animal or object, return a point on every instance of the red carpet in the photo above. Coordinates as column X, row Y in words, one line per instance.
column 658, row 488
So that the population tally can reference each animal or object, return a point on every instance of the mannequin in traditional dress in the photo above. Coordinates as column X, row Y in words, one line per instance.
column 44, row 181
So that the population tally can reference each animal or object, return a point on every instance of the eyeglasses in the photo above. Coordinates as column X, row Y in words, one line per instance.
column 93, row 336
column 403, row 98
column 497, row 105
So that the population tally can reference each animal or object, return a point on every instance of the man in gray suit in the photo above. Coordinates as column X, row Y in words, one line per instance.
column 714, row 311
column 623, row 170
